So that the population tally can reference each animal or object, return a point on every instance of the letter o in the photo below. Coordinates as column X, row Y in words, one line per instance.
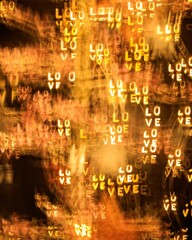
column 178, row 152
column 119, row 129
column 132, row 86
column 57, row 76
column 72, row 76
column 157, row 110
column 67, row 123
column 125, row 116
column 187, row 110
column 11, row 6
column 154, row 132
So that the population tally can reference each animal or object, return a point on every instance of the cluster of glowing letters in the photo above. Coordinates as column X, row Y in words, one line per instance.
column 6, row 8
column 83, row 230
column 138, row 96
column 138, row 50
column 174, row 163
column 170, row 203
column 114, row 132
column 118, row 91
column 150, row 136
column 109, row 14
column 42, row 202
column 64, row 127
column 187, row 211
column 65, row 47
column 99, row 211
column 125, row 183
column 184, row 116
column 99, row 53
column 54, row 81
column 177, row 70
column 172, row 29
column 65, row 177
column 70, row 22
